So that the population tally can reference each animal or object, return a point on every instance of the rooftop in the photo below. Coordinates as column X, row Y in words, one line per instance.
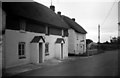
column 34, row 11
column 74, row 25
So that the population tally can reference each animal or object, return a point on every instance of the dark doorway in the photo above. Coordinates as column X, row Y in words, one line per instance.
column 61, row 50
column 40, row 53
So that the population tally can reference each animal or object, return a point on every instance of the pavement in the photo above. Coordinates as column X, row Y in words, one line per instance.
column 28, row 67
column 103, row 64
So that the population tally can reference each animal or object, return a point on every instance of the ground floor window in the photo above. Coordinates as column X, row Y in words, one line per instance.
column 46, row 49
column 21, row 50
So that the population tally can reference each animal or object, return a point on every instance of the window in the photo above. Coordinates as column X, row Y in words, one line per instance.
column 46, row 49
column 22, row 25
column 21, row 50
column 77, row 36
column 62, row 33
column 47, row 30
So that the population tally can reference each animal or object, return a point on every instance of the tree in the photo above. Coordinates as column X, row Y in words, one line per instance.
column 88, row 41
column 106, row 42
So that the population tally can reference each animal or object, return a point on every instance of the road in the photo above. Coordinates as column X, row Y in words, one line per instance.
column 104, row 64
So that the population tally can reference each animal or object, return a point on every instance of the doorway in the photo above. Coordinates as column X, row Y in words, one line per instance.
column 61, row 50
column 40, row 53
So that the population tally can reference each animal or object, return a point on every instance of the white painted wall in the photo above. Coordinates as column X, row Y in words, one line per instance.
column 71, row 41
column 55, row 49
column 11, row 46
column 65, row 47
column 58, row 51
column 74, row 44
column 34, row 53
column 83, row 44
column 12, row 38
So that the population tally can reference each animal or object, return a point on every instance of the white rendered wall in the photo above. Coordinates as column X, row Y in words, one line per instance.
column 65, row 47
column 54, row 49
column 83, row 44
column 58, row 51
column 12, row 38
column 34, row 53
column 73, row 41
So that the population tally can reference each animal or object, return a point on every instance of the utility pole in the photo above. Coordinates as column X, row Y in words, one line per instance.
column 98, row 38
column 99, row 33
column 51, row 2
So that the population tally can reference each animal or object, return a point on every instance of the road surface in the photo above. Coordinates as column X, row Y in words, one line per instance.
column 104, row 64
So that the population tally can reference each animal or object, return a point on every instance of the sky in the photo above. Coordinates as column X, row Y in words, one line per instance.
column 90, row 13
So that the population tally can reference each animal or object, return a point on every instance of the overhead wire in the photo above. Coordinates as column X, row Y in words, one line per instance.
column 108, row 13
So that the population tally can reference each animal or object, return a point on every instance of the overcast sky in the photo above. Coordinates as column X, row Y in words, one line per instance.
column 90, row 13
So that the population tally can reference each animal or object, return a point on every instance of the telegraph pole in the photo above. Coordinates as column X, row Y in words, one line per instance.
column 98, row 38
column 99, row 33
column 51, row 2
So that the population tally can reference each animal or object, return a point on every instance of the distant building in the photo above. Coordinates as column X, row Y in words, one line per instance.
column 119, row 18
column 92, row 45
column 34, row 33
column 76, row 38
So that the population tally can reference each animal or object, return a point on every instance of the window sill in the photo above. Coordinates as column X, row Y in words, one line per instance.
column 22, row 57
column 46, row 54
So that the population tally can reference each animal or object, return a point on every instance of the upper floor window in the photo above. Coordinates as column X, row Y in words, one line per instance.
column 62, row 33
column 22, row 25
column 77, row 36
column 47, row 30
column 21, row 50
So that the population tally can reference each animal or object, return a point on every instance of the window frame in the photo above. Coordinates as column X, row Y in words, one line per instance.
column 46, row 49
column 21, row 50
column 62, row 31
column 46, row 30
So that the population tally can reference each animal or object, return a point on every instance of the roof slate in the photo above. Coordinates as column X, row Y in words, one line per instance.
column 74, row 25
column 34, row 11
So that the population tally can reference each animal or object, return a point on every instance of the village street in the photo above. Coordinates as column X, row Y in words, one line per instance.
column 104, row 64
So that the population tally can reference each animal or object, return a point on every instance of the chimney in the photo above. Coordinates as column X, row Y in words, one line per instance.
column 73, row 19
column 59, row 13
column 52, row 7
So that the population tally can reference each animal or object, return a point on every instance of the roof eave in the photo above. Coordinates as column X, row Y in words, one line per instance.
column 119, row 23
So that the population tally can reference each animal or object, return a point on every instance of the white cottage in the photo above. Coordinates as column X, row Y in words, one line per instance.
column 76, row 38
column 33, row 34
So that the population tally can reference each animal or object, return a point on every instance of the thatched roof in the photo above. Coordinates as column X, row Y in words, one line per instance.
column 34, row 11
column 74, row 25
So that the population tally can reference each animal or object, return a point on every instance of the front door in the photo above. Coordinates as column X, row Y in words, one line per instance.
column 40, row 53
column 61, row 50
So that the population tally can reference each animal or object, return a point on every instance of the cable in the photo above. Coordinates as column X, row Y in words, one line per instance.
column 109, row 12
